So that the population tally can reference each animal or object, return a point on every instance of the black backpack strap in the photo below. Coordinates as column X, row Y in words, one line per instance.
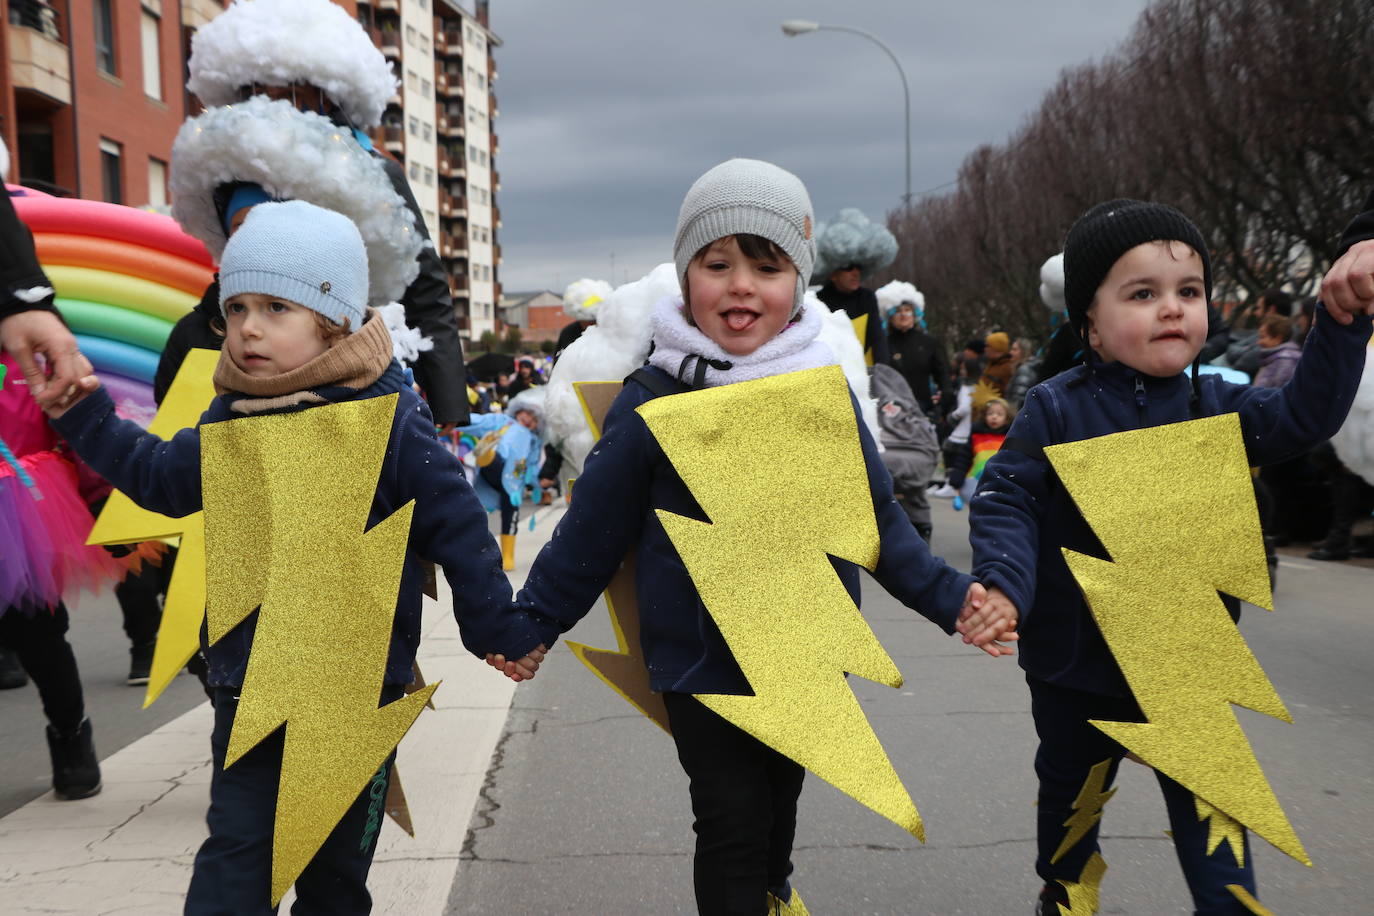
column 659, row 385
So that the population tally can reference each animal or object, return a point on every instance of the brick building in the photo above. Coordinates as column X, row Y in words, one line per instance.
column 539, row 315
column 90, row 103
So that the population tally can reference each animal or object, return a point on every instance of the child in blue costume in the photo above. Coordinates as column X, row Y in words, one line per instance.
column 744, row 253
column 293, row 287
column 1137, row 283
column 509, row 453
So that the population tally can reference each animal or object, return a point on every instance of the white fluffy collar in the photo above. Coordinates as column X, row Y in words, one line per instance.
column 682, row 350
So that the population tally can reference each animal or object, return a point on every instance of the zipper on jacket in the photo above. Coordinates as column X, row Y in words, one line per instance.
column 1140, row 392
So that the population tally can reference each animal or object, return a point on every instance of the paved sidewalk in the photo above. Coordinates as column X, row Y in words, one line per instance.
column 130, row 848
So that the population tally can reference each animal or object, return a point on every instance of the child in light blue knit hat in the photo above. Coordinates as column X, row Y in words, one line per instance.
column 298, row 336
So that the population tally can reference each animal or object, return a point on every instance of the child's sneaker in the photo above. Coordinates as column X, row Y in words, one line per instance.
column 943, row 491
column 1051, row 896
column 958, row 502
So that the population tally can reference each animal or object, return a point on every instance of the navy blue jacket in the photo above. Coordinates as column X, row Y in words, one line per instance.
column 449, row 526
column 1021, row 515
column 626, row 477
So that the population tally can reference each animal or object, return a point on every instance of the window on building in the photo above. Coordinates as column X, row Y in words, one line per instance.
column 111, row 172
column 410, row 34
column 429, row 132
column 411, row 78
column 414, row 126
column 152, row 56
column 482, row 156
column 429, row 175
column 157, row 183
column 424, row 43
column 415, row 171
column 104, row 36
column 426, row 89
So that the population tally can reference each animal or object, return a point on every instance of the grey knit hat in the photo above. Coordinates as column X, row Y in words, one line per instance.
column 746, row 196
column 301, row 253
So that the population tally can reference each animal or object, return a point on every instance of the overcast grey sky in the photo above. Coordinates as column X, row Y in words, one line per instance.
column 609, row 109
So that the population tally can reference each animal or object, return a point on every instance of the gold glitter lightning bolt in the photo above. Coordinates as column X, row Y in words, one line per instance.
column 1085, row 892
column 1174, row 507
column 123, row 522
column 286, row 503
column 622, row 669
column 1220, row 828
column 1087, row 808
column 777, row 467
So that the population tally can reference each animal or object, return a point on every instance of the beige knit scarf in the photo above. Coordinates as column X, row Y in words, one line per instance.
column 355, row 361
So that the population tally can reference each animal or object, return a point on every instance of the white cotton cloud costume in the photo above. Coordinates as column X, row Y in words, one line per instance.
column 280, row 42
column 897, row 292
column 1052, row 284
column 583, row 297
column 1354, row 443
column 294, row 156
column 852, row 238
column 608, row 351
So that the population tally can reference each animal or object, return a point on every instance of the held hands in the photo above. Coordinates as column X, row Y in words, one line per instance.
column 988, row 620
column 521, row 669
column 1348, row 288
column 29, row 335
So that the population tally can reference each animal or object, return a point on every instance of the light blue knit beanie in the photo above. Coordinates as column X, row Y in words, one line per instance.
column 301, row 253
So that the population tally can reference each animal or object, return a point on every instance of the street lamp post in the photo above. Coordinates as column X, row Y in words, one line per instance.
column 794, row 27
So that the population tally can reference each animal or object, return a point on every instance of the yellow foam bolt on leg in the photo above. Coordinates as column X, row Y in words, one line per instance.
column 777, row 467
column 123, row 522
column 1175, row 540
column 286, row 504
column 1220, row 827
column 624, row 669
column 1084, row 893
column 1087, row 808
column 1248, row 900
column 793, row 907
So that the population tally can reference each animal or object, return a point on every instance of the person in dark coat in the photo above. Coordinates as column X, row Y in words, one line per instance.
column 919, row 357
column 844, row 292
column 1136, row 376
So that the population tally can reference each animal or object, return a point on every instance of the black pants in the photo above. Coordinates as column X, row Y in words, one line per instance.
column 40, row 643
column 744, row 798
column 140, row 600
column 958, row 459
column 510, row 515
column 1069, row 748
column 233, row 869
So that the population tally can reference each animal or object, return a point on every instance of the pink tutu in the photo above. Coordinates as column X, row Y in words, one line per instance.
column 43, row 552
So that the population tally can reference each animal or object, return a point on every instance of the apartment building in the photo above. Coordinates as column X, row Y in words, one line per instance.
column 439, row 125
column 92, row 93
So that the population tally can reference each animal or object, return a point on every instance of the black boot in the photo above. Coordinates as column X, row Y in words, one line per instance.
column 75, row 770
column 140, row 664
column 11, row 672
column 1051, row 896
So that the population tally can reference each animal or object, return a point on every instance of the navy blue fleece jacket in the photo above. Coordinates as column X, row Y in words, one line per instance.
column 627, row 476
column 1021, row 515
column 449, row 526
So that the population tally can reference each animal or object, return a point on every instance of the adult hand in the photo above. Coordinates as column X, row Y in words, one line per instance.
column 67, row 373
column 1348, row 288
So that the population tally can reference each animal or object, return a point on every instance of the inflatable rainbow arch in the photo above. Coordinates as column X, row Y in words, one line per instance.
column 122, row 278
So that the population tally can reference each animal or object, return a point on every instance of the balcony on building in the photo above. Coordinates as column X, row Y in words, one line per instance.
column 40, row 66
column 451, row 126
column 453, row 245
column 392, row 5
column 452, row 206
column 394, row 138
column 448, row 41
column 390, row 41
column 449, row 83
column 458, row 285
column 452, row 167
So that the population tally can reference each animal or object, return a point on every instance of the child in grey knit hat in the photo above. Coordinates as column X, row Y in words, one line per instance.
column 743, row 251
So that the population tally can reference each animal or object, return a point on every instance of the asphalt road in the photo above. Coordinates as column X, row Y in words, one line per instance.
column 586, row 809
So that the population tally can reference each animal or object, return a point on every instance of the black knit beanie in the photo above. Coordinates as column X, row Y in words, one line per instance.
column 1106, row 232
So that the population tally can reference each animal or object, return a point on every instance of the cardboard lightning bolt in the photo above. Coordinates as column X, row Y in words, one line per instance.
column 325, row 590
column 755, row 455
column 1157, row 606
column 623, row 670
column 123, row 522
